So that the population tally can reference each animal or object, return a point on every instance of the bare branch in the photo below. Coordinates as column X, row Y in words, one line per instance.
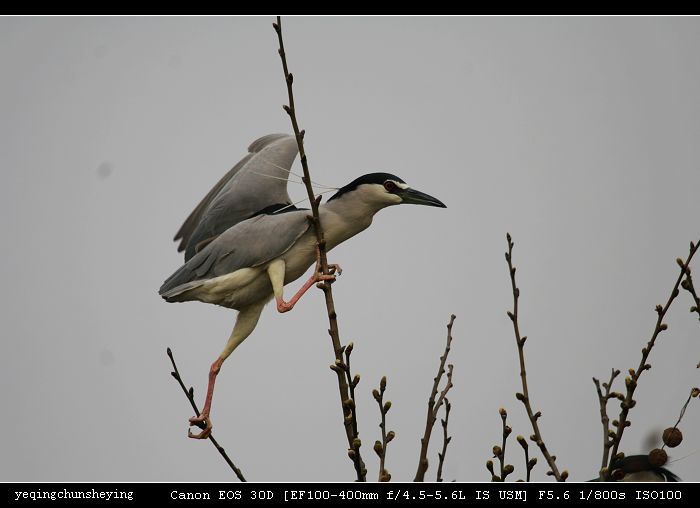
column 603, row 399
column 631, row 381
column 445, row 439
column 529, row 462
column 687, row 284
column 381, row 446
column 672, row 437
column 190, row 396
column 349, row 413
column 524, row 397
column 499, row 452
column 434, row 406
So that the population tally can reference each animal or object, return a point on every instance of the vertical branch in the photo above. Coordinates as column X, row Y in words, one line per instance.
column 352, row 383
column 380, row 446
column 347, row 403
column 524, row 397
column 434, row 406
column 499, row 452
column 603, row 399
column 632, row 380
column 687, row 284
column 529, row 462
column 190, row 396
column 445, row 439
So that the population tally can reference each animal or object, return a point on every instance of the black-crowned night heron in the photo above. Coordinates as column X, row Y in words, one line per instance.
column 638, row 468
column 246, row 240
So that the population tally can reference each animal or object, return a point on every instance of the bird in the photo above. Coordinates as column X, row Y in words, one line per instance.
column 638, row 468
column 246, row 240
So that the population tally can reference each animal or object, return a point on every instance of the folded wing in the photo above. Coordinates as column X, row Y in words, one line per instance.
column 248, row 244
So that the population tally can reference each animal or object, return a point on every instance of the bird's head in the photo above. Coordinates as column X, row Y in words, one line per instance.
column 639, row 468
column 384, row 189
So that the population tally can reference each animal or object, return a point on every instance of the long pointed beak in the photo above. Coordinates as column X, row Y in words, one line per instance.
column 415, row 197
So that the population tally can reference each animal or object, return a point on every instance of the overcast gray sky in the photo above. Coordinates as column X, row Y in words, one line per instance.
column 580, row 136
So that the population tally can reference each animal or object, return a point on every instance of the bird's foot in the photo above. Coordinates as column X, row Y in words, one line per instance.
column 332, row 268
column 335, row 269
column 322, row 279
column 203, row 422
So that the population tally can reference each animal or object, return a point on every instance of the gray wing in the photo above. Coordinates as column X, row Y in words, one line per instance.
column 249, row 243
column 257, row 182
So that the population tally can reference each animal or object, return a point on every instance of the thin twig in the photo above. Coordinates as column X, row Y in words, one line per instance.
column 529, row 462
column 524, row 397
column 434, row 406
column 687, row 284
column 694, row 392
column 381, row 446
column 603, row 399
column 190, row 396
column 445, row 439
column 352, row 383
column 632, row 380
column 349, row 416
column 499, row 452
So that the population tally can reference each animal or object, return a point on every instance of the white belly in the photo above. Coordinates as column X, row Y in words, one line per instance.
column 251, row 285
column 246, row 286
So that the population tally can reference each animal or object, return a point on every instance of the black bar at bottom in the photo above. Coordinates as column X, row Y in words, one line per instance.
column 445, row 494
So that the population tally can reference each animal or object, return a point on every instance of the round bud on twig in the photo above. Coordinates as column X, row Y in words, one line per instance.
column 672, row 437
column 658, row 457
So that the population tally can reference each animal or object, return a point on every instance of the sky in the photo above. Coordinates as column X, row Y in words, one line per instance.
column 579, row 136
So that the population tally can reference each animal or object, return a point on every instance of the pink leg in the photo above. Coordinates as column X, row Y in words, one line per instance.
column 203, row 421
column 283, row 306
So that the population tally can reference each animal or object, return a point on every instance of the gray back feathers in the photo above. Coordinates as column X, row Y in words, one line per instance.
column 249, row 243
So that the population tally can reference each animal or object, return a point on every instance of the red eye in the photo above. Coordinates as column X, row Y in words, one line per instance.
column 390, row 186
column 618, row 474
